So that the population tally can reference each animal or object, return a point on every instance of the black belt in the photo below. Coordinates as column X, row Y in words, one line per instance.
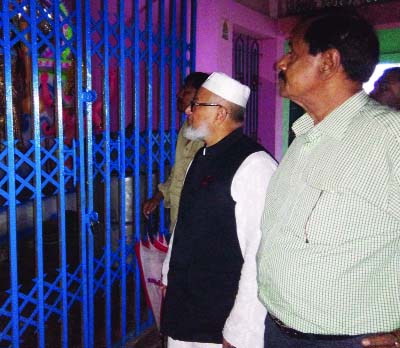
column 307, row 336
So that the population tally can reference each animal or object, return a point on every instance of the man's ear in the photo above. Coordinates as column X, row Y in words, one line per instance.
column 222, row 114
column 330, row 63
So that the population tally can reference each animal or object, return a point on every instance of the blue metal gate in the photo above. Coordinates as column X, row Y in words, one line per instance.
column 87, row 127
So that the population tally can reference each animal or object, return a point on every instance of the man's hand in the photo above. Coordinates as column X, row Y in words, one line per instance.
column 383, row 340
column 151, row 204
column 226, row 344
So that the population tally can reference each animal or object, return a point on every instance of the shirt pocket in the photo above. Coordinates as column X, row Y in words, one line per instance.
column 321, row 204
column 343, row 212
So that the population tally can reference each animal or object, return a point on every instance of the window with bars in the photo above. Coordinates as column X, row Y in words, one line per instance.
column 246, row 55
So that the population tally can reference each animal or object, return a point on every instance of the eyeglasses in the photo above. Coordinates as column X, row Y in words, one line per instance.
column 194, row 104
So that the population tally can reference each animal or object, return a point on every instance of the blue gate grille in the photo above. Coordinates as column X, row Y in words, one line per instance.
column 87, row 120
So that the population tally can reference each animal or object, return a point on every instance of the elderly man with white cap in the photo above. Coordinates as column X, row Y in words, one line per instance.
column 210, row 270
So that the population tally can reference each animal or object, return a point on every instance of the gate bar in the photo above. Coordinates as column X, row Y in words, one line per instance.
column 149, row 29
column 11, row 175
column 107, row 172
column 89, row 148
column 184, row 49
column 173, row 79
column 122, row 164
column 82, row 180
column 61, row 172
column 193, row 24
column 38, row 175
column 161, row 30
column 136, row 78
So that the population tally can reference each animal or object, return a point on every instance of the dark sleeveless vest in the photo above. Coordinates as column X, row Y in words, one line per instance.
column 206, row 259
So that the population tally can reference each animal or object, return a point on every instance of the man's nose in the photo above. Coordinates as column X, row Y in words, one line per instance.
column 280, row 64
column 188, row 111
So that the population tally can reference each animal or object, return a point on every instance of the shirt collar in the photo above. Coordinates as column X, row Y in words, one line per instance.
column 223, row 144
column 334, row 124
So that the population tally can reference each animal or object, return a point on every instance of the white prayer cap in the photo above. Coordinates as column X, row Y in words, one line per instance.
column 227, row 88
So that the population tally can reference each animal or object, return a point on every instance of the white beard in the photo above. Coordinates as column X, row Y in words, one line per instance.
column 199, row 133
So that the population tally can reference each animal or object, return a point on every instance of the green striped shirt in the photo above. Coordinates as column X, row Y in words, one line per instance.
column 338, row 187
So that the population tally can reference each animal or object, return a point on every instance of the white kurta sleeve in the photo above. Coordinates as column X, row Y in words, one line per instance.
column 244, row 326
column 165, row 266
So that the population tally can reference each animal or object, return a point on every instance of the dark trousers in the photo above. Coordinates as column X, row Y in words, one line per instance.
column 275, row 338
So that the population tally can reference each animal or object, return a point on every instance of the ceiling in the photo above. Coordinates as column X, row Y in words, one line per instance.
column 284, row 8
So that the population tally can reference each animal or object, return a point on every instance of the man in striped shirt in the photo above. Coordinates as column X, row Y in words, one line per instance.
column 329, row 259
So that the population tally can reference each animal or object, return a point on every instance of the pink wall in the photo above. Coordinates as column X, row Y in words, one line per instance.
column 215, row 54
column 385, row 15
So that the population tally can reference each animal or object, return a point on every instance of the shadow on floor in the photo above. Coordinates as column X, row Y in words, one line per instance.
column 149, row 339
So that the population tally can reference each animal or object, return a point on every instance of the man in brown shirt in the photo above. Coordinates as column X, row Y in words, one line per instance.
column 170, row 190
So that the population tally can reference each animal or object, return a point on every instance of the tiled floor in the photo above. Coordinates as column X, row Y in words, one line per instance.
column 150, row 339
column 27, row 272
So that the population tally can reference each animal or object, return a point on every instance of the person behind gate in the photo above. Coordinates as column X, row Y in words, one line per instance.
column 329, row 258
column 210, row 270
column 170, row 190
column 387, row 88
